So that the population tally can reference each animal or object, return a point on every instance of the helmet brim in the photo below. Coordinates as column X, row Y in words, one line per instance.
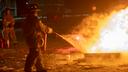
column 35, row 10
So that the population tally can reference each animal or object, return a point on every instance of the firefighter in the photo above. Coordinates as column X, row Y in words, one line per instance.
column 35, row 33
column 8, row 27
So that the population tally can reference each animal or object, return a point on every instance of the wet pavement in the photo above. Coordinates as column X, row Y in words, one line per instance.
column 59, row 57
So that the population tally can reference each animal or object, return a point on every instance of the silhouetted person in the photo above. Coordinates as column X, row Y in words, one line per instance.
column 34, row 31
column 8, row 23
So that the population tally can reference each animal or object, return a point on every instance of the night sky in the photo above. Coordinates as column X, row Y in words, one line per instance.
column 74, row 5
column 87, row 4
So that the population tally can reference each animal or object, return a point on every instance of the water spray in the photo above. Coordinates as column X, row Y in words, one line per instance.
column 59, row 35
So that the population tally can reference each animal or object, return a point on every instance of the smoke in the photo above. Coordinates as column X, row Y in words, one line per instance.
column 86, row 34
column 103, row 33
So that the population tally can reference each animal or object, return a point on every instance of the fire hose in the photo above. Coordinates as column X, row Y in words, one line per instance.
column 45, row 39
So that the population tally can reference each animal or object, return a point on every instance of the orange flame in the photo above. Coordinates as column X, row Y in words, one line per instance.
column 102, row 33
column 114, row 36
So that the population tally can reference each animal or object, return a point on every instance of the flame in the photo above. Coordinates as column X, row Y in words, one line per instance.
column 114, row 36
column 87, row 33
column 102, row 33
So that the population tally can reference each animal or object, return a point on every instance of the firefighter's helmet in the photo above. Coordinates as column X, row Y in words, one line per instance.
column 33, row 7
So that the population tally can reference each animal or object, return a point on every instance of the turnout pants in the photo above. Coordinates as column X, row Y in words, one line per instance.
column 34, row 57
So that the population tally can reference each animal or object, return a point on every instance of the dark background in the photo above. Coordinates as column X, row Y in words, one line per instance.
column 63, row 15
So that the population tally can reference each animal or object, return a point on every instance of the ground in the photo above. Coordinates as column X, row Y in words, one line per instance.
column 59, row 57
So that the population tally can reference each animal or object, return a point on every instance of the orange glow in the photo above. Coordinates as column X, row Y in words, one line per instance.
column 102, row 33
column 114, row 36
column 93, row 8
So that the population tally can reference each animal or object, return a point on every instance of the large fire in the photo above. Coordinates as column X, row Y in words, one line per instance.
column 114, row 36
column 102, row 33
